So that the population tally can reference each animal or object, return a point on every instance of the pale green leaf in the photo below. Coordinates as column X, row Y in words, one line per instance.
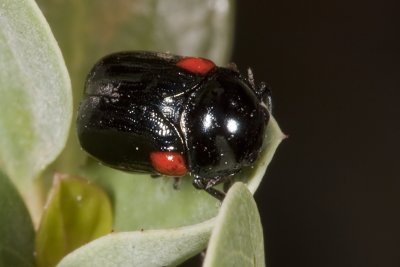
column 16, row 229
column 142, row 202
column 145, row 248
column 76, row 213
column 237, row 238
column 36, row 100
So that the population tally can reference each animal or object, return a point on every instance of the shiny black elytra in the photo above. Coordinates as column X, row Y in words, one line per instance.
column 172, row 115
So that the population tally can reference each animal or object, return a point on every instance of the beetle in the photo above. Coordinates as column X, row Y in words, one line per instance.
column 173, row 115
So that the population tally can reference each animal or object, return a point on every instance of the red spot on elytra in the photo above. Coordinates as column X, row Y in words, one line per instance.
column 196, row 65
column 168, row 163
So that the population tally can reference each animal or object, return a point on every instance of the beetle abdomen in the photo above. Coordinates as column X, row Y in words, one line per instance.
column 131, row 108
column 124, row 138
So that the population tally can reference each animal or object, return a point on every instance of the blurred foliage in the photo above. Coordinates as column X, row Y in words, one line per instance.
column 16, row 229
column 76, row 212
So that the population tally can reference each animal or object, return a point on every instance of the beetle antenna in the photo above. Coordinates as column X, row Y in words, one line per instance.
column 250, row 78
column 264, row 93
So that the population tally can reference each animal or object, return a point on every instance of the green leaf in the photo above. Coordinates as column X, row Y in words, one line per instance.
column 16, row 229
column 35, row 102
column 237, row 238
column 88, row 30
column 76, row 213
column 142, row 248
column 142, row 202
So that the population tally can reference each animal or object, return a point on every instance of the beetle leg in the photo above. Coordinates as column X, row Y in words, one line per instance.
column 250, row 78
column 198, row 183
column 154, row 175
column 215, row 193
column 208, row 186
column 177, row 183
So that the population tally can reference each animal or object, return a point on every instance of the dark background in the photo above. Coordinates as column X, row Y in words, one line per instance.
column 332, row 193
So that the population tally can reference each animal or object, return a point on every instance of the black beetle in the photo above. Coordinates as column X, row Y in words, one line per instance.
column 173, row 115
